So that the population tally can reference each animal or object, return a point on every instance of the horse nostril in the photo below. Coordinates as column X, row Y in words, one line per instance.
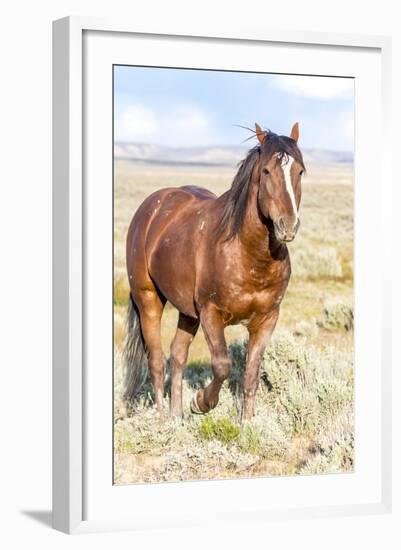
column 280, row 224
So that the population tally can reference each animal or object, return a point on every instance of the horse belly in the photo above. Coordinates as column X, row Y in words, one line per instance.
column 172, row 267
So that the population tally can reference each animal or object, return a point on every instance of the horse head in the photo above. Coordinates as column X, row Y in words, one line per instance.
column 279, row 172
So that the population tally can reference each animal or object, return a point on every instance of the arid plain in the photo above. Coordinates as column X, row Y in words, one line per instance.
column 304, row 411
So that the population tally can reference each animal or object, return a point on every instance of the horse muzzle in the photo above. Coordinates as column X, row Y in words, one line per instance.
column 284, row 231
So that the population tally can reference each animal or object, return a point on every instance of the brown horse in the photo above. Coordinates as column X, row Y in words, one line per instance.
column 220, row 261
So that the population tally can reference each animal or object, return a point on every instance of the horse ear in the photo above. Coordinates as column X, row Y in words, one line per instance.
column 295, row 132
column 260, row 134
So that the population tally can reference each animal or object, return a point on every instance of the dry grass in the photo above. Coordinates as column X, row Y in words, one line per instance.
column 304, row 410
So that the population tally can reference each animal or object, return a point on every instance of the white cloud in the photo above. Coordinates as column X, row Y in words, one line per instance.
column 185, row 124
column 329, row 129
column 188, row 117
column 317, row 87
column 136, row 123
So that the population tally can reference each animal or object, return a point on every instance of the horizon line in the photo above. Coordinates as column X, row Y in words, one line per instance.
column 226, row 146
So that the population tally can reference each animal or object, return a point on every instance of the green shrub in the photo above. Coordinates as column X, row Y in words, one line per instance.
column 267, row 436
column 301, row 405
column 333, row 394
column 308, row 385
column 284, row 360
column 123, row 438
column 335, row 444
column 337, row 315
column 223, row 429
column 251, row 440
column 314, row 263
column 303, row 419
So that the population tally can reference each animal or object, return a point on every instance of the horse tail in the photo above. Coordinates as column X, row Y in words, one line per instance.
column 135, row 356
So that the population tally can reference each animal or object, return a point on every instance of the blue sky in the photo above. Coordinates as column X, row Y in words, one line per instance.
column 180, row 107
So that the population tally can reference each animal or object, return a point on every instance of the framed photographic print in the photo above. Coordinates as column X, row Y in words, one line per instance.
column 220, row 342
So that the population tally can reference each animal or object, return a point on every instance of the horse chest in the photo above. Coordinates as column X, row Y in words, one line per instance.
column 243, row 306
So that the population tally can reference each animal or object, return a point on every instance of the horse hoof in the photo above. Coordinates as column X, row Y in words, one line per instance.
column 194, row 406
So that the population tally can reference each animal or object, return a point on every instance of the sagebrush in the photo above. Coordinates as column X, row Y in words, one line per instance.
column 304, row 406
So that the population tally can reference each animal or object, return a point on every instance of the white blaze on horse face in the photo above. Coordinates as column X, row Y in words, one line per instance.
column 286, row 166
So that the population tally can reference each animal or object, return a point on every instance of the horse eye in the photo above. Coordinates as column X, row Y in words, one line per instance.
column 266, row 171
column 301, row 172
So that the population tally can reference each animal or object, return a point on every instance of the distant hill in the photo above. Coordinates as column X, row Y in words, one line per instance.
column 210, row 156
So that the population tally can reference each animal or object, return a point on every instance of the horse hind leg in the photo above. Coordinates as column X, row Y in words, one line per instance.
column 150, row 305
column 186, row 330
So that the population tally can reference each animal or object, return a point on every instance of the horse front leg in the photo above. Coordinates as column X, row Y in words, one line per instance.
column 213, row 328
column 259, row 337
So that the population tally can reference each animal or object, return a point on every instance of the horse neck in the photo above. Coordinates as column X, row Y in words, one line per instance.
column 256, row 236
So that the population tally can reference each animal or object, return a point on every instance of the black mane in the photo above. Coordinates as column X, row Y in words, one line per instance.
column 235, row 208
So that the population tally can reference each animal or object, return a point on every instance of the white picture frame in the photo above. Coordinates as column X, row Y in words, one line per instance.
column 70, row 378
